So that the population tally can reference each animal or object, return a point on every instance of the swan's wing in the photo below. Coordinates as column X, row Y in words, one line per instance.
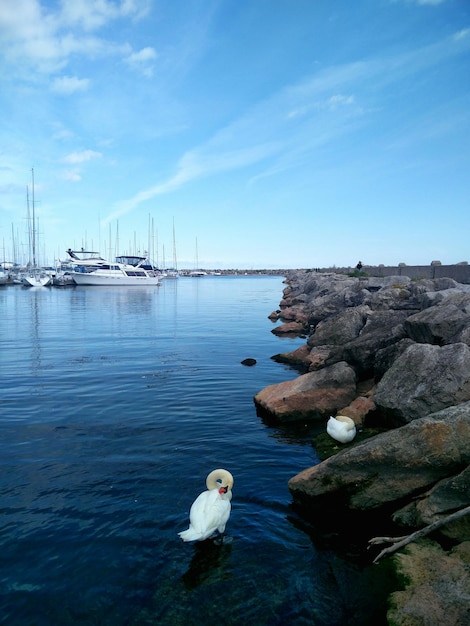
column 209, row 513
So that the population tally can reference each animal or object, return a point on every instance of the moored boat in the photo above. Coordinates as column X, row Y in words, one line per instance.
column 84, row 257
column 170, row 272
column 78, row 261
column 115, row 274
column 36, row 277
column 62, row 277
column 197, row 273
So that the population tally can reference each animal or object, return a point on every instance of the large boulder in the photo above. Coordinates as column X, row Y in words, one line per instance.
column 385, row 357
column 381, row 330
column 397, row 296
column 422, row 380
column 341, row 328
column 289, row 329
column 438, row 324
column 446, row 496
column 355, row 335
column 311, row 396
column 438, row 586
column 391, row 466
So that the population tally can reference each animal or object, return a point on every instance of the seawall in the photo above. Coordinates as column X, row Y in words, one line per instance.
column 459, row 272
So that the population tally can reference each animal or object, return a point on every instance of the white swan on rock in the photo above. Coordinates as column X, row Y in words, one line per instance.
column 341, row 428
column 210, row 511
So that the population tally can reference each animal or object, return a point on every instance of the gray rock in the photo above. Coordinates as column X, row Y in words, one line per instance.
column 424, row 379
column 436, row 324
column 392, row 466
column 413, row 338
column 445, row 497
column 340, row 328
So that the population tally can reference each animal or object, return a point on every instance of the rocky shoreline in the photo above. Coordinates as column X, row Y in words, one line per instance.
column 394, row 355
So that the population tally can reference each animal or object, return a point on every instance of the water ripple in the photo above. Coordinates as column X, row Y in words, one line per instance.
column 115, row 405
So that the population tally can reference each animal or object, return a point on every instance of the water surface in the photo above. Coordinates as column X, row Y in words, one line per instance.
column 115, row 405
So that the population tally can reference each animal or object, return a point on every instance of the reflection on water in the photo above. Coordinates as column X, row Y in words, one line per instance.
column 35, row 331
column 209, row 562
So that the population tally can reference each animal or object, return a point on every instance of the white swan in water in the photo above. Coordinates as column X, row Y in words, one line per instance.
column 211, row 509
column 341, row 428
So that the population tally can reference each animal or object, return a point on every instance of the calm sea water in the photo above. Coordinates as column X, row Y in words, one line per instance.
column 115, row 405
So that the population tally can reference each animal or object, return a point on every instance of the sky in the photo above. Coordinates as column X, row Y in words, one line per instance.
column 228, row 134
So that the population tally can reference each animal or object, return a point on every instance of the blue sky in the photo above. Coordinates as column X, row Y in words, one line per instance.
column 274, row 133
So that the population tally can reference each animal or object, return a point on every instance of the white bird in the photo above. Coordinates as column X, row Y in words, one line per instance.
column 210, row 511
column 341, row 428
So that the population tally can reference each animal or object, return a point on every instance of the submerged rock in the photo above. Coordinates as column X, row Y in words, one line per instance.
column 249, row 362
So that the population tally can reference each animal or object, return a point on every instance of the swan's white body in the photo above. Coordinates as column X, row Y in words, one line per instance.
column 341, row 428
column 211, row 509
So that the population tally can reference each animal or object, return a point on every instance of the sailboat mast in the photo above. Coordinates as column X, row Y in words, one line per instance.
column 174, row 247
column 28, row 219
column 33, row 235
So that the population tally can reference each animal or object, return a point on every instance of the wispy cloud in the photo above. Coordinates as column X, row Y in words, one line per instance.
column 430, row 1
column 284, row 130
column 93, row 15
column 142, row 61
column 422, row 2
column 462, row 34
column 82, row 156
column 75, row 159
column 72, row 175
column 66, row 85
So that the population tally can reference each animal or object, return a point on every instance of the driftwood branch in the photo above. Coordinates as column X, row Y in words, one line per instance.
column 399, row 542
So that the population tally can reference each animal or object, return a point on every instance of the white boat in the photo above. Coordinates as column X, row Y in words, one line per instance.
column 62, row 277
column 197, row 273
column 172, row 272
column 77, row 259
column 116, row 274
column 85, row 257
column 36, row 277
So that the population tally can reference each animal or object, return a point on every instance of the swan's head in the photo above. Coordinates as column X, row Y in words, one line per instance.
column 347, row 421
column 220, row 479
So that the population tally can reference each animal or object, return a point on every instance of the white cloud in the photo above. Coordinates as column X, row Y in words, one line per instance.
column 298, row 112
column 71, row 175
column 339, row 100
column 421, row 2
column 81, row 157
column 69, row 84
column 142, row 60
column 462, row 34
column 34, row 35
column 62, row 134
column 91, row 15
